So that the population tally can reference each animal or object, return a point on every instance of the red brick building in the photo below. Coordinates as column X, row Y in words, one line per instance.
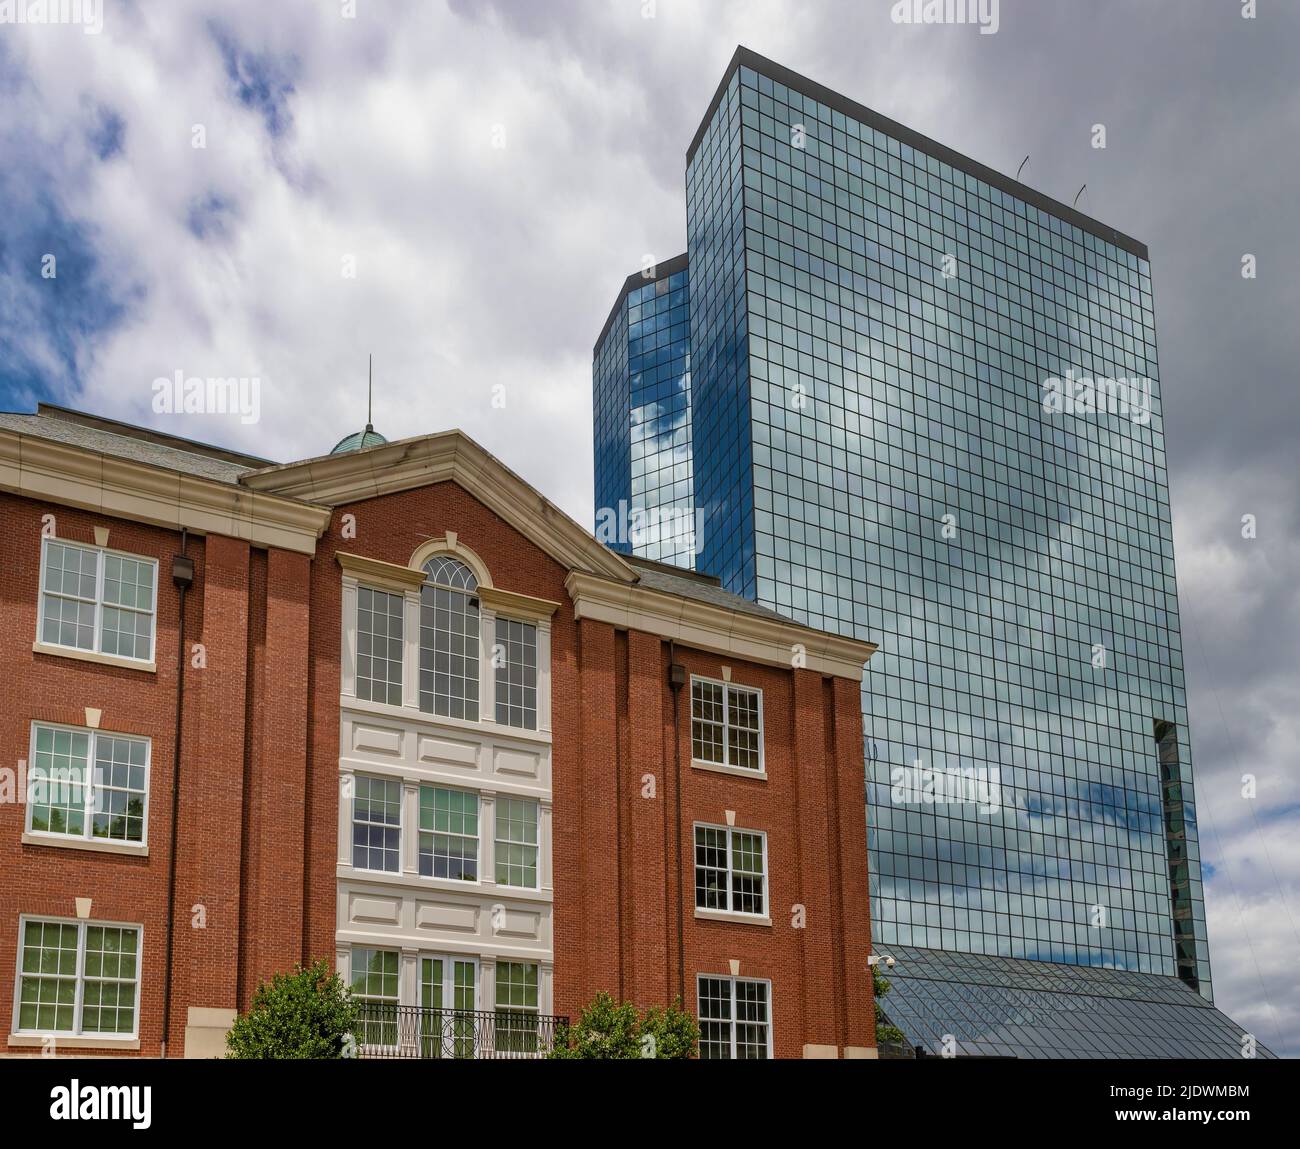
column 424, row 726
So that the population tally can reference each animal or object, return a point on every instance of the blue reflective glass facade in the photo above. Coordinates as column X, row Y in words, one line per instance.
column 876, row 327
column 642, row 407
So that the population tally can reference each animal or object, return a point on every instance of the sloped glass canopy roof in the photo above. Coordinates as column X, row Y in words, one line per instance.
column 1013, row 1007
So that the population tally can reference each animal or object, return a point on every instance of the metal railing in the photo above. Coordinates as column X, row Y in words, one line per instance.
column 409, row 1031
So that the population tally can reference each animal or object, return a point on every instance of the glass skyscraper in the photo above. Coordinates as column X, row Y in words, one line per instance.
column 642, row 374
column 922, row 406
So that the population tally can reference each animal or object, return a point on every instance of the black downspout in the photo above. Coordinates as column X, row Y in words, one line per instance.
column 676, row 680
column 183, row 578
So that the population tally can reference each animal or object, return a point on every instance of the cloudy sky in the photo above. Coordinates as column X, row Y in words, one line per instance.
column 491, row 171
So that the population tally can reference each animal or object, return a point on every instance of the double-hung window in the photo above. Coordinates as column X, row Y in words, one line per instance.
column 515, row 659
column 448, row 834
column 379, row 646
column 730, row 870
column 516, row 1018
column 516, row 842
column 726, row 724
column 735, row 1018
column 375, row 986
column 376, row 823
column 97, row 600
column 88, row 784
column 77, row 977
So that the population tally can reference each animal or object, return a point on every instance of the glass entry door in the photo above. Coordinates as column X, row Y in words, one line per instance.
column 448, row 998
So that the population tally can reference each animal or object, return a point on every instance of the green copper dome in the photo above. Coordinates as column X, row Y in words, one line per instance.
column 359, row 441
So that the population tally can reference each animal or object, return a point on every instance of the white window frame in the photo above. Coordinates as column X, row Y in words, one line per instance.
column 352, row 822
column 726, row 764
column 448, row 979
column 97, row 632
column 498, row 841
column 401, row 662
column 730, row 911
column 352, row 973
column 449, row 992
column 83, row 925
column 478, row 839
column 732, row 983
column 498, row 641
column 482, row 650
column 86, row 835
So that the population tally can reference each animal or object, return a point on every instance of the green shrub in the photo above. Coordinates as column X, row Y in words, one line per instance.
column 305, row 1014
column 608, row 1031
column 884, row 1031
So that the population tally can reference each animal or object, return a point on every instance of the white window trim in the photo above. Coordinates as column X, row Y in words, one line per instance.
column 536, row 963
column 83, row 1038
column 352, row 821
column 726, row 767
column 97, row 650
column 356, row 636
column 409, row 709
column 448, row 883
column 379, row 947
column 486, row 626
column 497, row 840
column 496, row 620
column 732, row 914
column 732, row 981
column 448, row 978
column 86, row 839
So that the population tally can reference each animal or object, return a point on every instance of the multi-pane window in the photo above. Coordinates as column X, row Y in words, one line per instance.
column 447, row 1000
column 726, row 724
column 735, row 1018
column 88, row 784
column 97, row 600
column 379, row 646
column 374, row 985
column 376, row 823
column 449, row 640
column 78, row 978
column 516, row 1019
column 730, row 870
column 516, row 842
column 448, row 834
column 515, row 658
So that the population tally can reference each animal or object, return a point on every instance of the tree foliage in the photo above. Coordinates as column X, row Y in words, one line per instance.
column 610, row 1031
column 308, row 1013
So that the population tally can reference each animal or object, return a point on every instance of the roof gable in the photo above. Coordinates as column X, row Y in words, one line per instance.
column 407, row 464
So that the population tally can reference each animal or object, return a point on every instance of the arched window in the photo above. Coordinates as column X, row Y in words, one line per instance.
column 449, row 640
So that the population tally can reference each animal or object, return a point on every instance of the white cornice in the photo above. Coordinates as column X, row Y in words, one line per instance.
column 755, row 638
column 406, row 464
column 389, row 576
column 123, row 488
column 514, row 605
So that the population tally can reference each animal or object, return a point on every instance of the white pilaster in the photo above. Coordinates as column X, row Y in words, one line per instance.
column 411, row 649
column 348, row 669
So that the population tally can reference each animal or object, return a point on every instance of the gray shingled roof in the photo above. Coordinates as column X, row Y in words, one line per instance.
column 686, row 585
column 122, row 446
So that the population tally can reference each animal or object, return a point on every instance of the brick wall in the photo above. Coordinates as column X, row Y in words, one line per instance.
column 259, row 792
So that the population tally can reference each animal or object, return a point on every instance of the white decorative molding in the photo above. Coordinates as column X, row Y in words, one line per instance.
column 123, row 488
column 722, row 630
column 447, row 545
column 382, row 575
column 450, row 456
